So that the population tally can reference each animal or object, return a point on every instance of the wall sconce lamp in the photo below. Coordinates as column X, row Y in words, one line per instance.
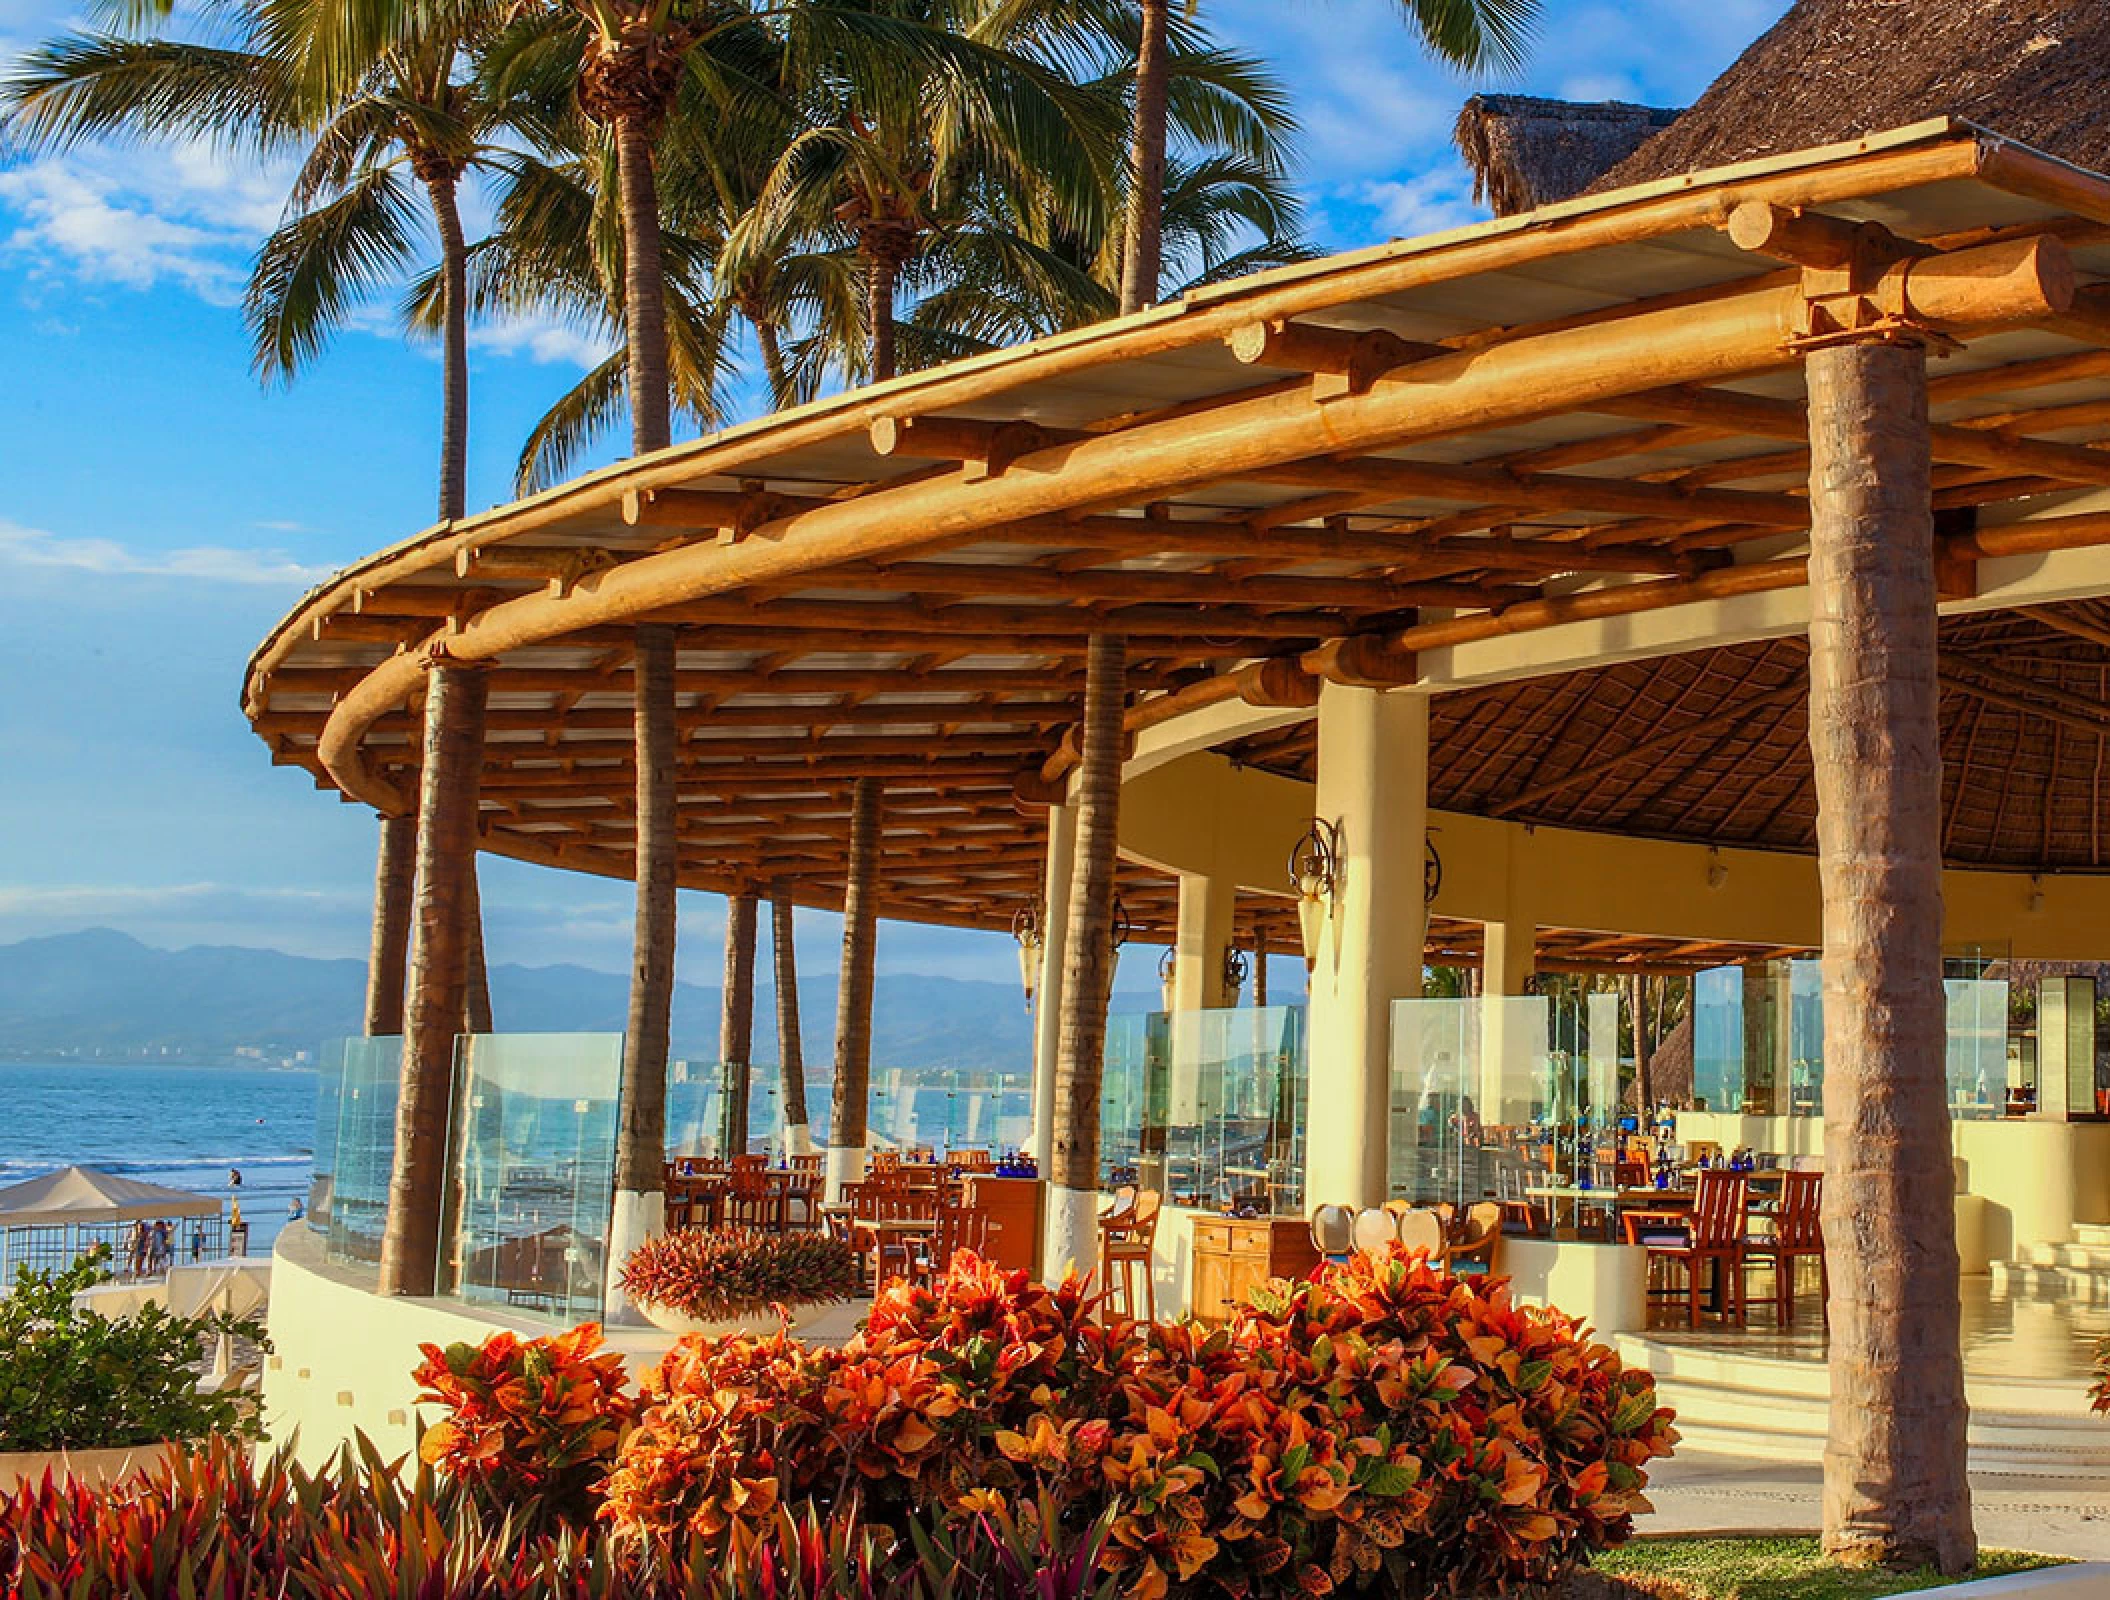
column 1118, row 927
column 1717, row 869
column 2036, row 892
column 1169, row 978
column 1235, row 973
column 1027, row 928
column 1315, row 873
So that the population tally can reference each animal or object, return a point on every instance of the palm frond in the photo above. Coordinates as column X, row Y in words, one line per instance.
column 319, row 265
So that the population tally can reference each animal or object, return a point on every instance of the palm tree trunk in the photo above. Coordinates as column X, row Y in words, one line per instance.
column 1894, row 1486
column 454, row 345
column 476, row 1003
column 1644, row 1047
column 395, row 880
column 881, row 273
column 736, row 1020
column 1088, row 968
column 772, row 361
column 1260, row 974
column 641, row 1137
column 853, row 1005
column 1142, row 245
column 798, row 1138
column 644, row 286
column 447, row 791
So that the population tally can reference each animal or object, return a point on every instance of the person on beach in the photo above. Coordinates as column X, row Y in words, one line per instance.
column 197, row 1242
column 163, row 1250
column 136, row 1250
column 234, row 1177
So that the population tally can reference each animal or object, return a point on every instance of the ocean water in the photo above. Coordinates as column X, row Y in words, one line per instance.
column 179, row 1126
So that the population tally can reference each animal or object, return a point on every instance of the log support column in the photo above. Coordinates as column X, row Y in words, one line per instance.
column 736, row 1021
column 395, row 883
column 640, row 1208
column 791, row 1050
column 1072, row 1227
column 1373, row 790
column 847, row 1127
column 1894, row 1486
column 439, row 975
column 1047, row 999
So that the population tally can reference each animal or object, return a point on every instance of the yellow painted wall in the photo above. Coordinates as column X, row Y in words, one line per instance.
column 1199, row 813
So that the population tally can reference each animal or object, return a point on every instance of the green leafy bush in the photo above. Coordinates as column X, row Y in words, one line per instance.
column 74, row 1379
column 218, row 1526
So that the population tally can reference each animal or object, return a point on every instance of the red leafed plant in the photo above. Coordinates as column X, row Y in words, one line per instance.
column 531, row 1424
column 1385, row 1429
column 719, row 1273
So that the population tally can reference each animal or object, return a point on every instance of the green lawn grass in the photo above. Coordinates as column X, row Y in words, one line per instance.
column 1775, row 1569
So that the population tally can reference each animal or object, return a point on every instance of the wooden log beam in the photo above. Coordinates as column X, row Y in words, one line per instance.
column 1101, row 587
column 1510, row 380
column 872, row 619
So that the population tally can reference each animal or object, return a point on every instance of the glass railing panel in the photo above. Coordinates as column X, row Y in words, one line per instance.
column 533, row 1135
column 1718, row 1039
column 1977, row 1052
column 364, row 1148
column 322, row 1167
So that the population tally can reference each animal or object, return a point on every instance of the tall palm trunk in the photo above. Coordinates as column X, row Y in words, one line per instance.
column 847, row 1127
column 441, row 185
column 882, row 273
column 1894, row 1486
column 454, row 749
column 395, row 879
column 644, row 285
column 1141, row 247
column 791, row 1053
column 736, row 1019
column 641, row 1137
column 476, row 994
column 1644, row 1047
column 1088, row 968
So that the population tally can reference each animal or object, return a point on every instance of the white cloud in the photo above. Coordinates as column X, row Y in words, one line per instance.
column 72, row 902
column 1428, row 202
column 211, row 563
column 545, row 340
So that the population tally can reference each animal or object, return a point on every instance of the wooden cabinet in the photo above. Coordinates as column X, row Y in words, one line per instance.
column 1012, row 1206
column 1235, row 1255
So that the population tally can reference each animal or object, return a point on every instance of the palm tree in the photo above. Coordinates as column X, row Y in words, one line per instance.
column 1469, row 34
column 791, row 1051
column 901, row 152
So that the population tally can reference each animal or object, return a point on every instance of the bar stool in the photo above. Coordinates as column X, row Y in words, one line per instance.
column 1125, row 1244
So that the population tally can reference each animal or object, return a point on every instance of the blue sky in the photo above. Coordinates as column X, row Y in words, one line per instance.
column 158, row 509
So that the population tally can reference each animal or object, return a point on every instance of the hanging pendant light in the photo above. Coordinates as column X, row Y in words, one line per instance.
column 1315, row 873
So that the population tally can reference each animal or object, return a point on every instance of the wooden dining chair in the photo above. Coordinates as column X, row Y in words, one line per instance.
column 1717, row 1234
column 1376, row 1230
column 1333, row 1233
column 1478, row 1233
column 1798, row 1233
column 1126, row 1249
column 958, row 1228
column 1423, row 1231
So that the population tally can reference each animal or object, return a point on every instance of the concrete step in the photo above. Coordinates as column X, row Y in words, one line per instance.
column 2089, row 1285
column 2082, row 1257
column 2091, row 1233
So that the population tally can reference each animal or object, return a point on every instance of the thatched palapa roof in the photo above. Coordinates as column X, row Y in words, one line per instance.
column 1832, row 70
column 1526, row 151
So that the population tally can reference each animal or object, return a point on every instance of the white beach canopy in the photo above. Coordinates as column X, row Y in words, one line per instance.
column 82, row 1196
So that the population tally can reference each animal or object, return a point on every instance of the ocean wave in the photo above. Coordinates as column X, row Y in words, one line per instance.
column 126, row 1166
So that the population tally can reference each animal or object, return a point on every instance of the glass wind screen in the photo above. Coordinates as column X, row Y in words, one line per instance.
column 1134, row 1084
column 322, row 1166
column 364, row 1148
column 533, row 1138
column 1231, row 1136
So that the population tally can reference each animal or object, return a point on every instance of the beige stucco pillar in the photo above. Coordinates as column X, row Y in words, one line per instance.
column 1508, row 1044
column 1047, row 1015
column 1373, row 788
column 1203, row 940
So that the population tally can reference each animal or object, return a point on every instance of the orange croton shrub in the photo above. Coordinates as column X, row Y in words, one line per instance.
column 1387, row 1428
column 531, row 1424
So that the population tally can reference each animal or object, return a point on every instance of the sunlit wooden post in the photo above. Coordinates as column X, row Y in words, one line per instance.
column 641, row 1119
column 847, row 1122
column 1894, row 1460
column 1072, row 1227
column 446, row 842
column 1060, row 862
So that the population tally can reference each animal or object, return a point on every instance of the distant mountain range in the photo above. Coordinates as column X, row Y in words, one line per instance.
column 104, row 995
